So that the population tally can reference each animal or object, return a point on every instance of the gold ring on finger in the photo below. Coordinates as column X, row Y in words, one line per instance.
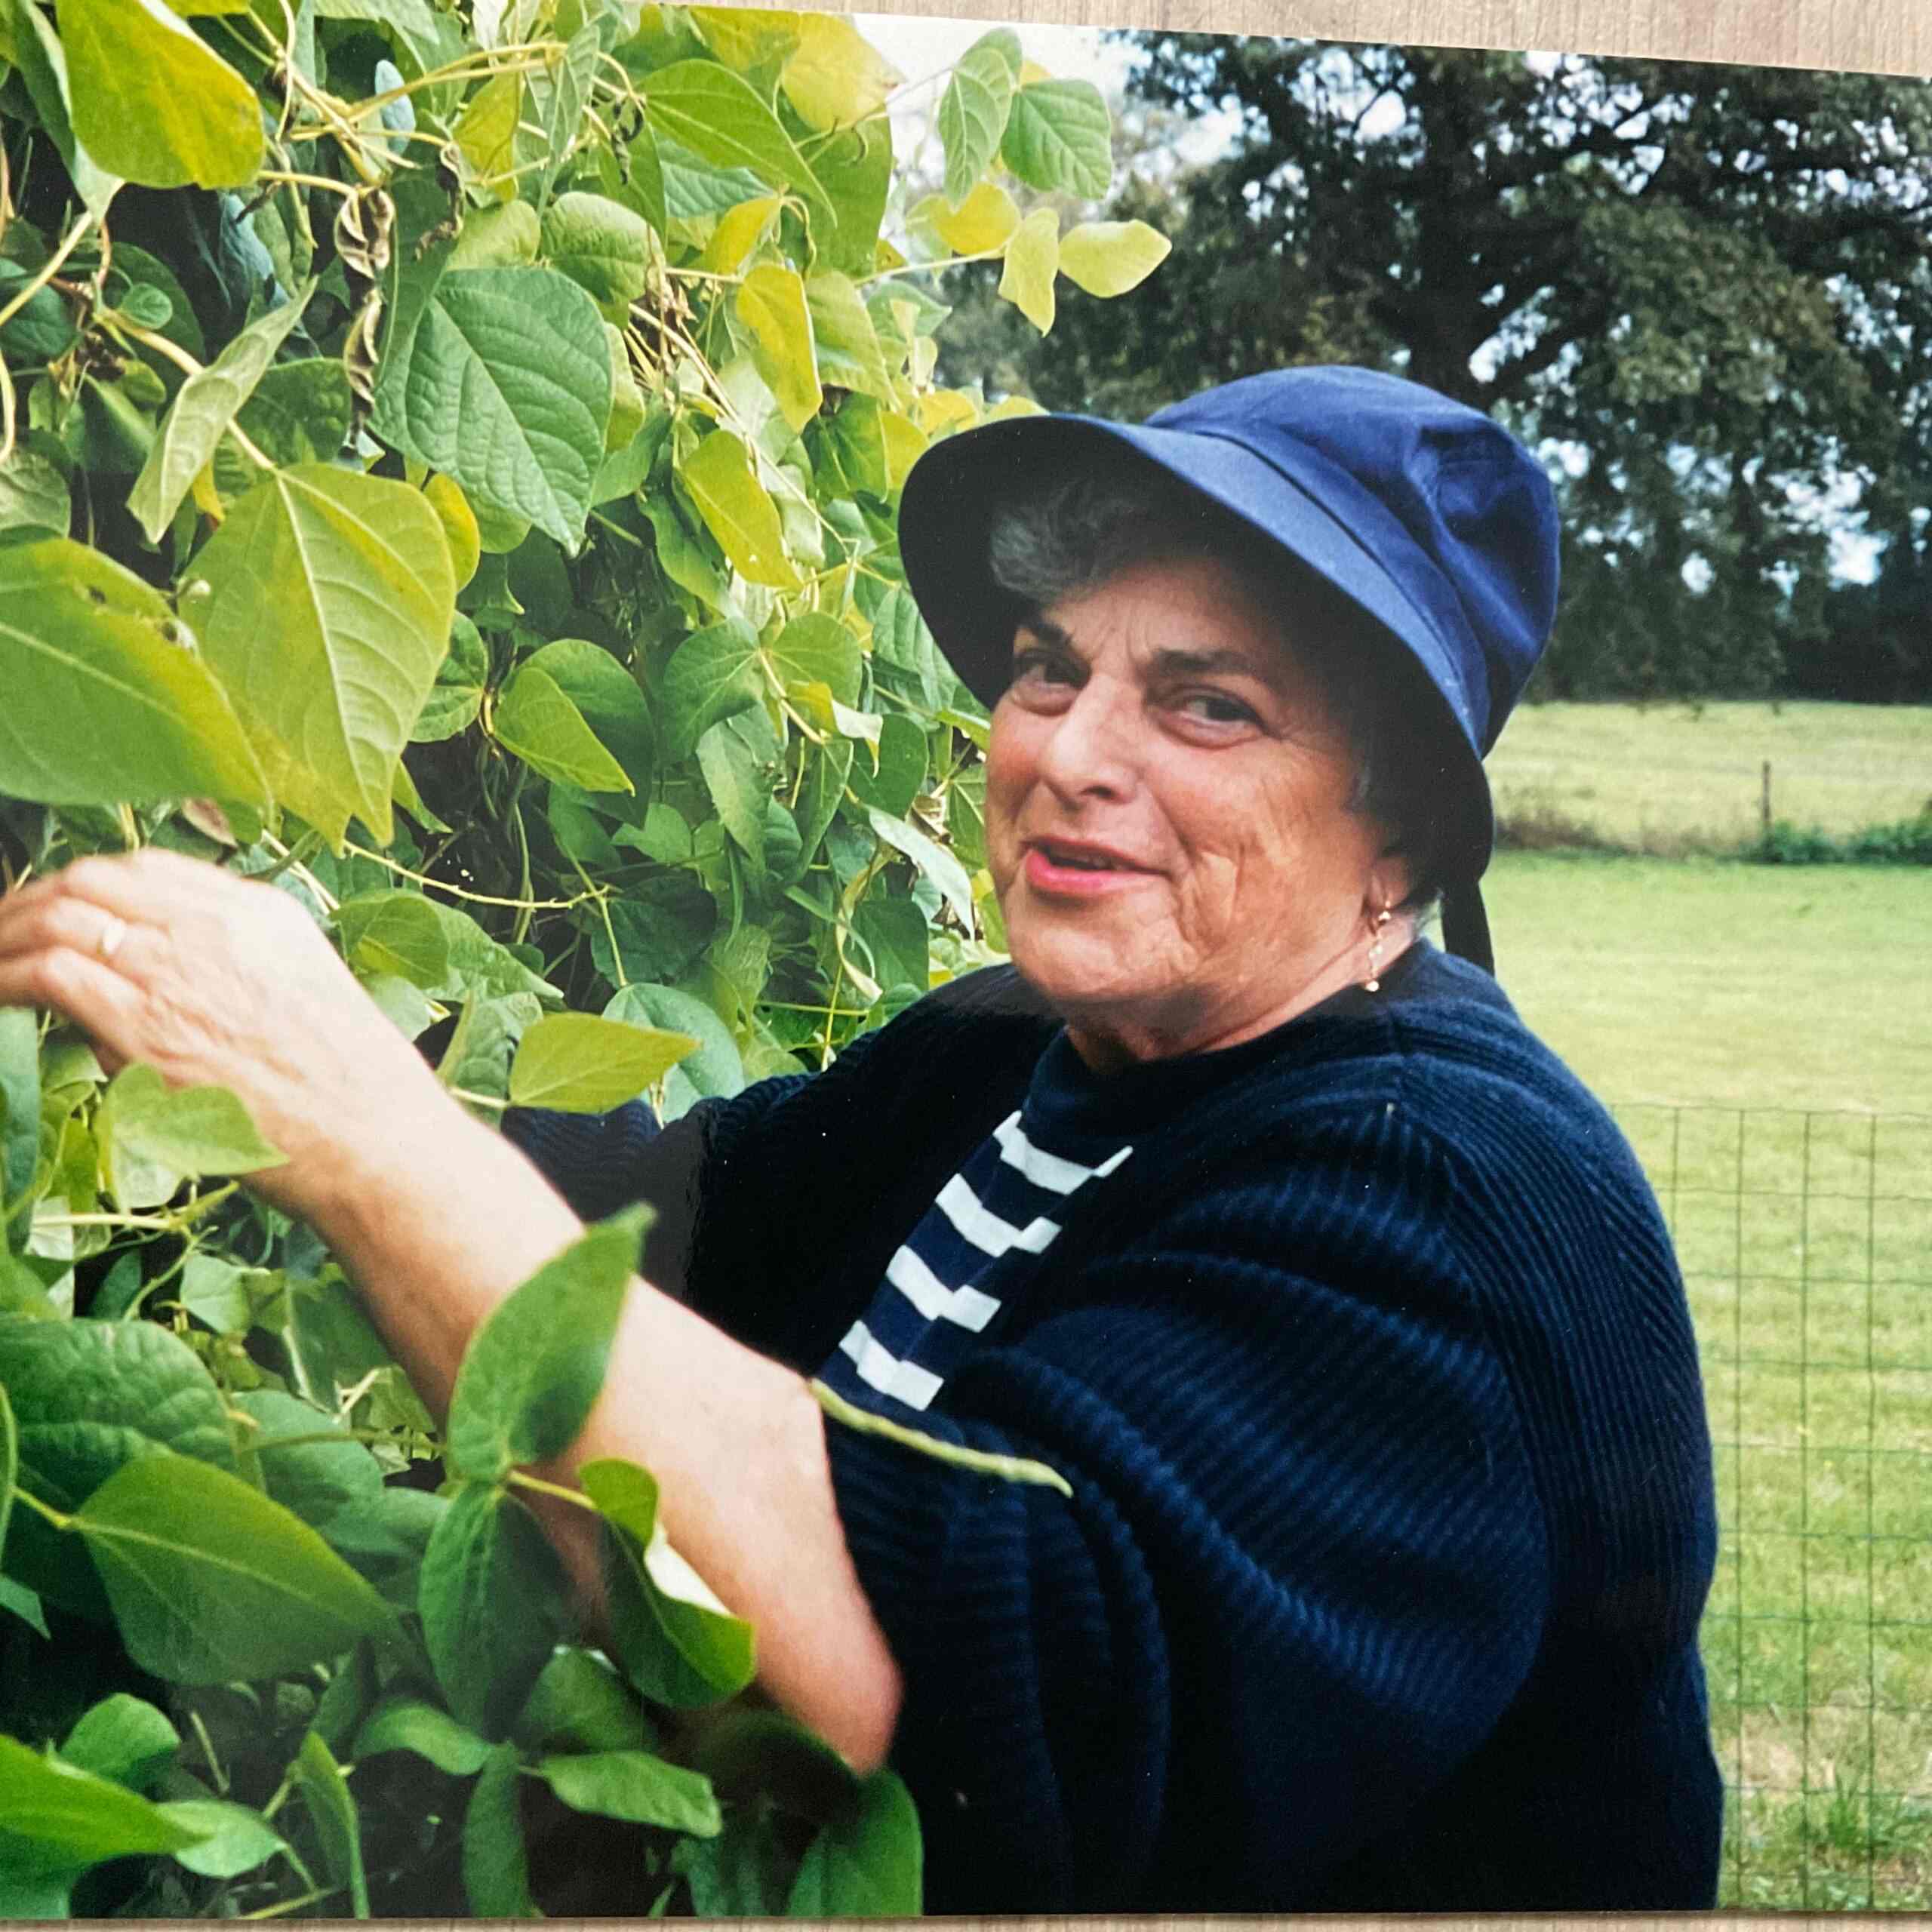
column 107, row 942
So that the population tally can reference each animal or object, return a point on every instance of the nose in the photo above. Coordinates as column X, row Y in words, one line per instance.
column 1089, row 752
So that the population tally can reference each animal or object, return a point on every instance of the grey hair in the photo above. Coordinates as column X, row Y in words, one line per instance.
column 1071, row 535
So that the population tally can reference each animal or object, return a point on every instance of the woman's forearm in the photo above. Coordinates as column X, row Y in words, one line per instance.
column 449, row 1221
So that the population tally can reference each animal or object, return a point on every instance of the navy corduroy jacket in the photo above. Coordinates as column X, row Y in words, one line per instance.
column 1373, row 1377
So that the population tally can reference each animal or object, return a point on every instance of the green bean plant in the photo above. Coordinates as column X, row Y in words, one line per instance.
column 449, row 458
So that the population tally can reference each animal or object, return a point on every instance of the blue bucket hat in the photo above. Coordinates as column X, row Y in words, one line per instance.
column 1428, row 516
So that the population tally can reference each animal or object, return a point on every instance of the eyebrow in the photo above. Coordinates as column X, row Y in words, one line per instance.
column 1168, row 663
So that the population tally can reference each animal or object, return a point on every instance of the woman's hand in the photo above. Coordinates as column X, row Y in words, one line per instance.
column 217, row 980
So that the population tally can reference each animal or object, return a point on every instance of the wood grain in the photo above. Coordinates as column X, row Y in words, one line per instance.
column 1889, row 36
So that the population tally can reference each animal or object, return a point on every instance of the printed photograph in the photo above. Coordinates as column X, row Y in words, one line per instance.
column 957, row 968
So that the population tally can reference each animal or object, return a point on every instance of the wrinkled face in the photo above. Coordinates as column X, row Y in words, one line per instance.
column 1167, row 816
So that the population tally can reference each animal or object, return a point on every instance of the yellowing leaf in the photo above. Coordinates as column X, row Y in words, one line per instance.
column 740, row 230
column 745, row 37
column 771, row 303
column 1032, row 258
column 1031, row 71
column 1013, row 405
column 737, row 510
column 581, row 1064
column 486, row 134
column 836, row 75
column 152, row 103
column 946, row 409
column 904, row 444
column 984, row 220
column 445, row 497
column 331, row 600
column 1110, row 257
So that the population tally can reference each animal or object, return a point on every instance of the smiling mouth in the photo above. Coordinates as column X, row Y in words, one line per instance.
column 1077, row 859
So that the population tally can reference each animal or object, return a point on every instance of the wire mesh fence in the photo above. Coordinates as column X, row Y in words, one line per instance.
column 1806, row 1243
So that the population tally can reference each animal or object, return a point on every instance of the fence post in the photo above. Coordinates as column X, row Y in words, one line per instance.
column 1764, row 799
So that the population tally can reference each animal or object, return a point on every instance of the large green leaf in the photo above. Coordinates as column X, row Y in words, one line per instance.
column 124, row 1738
column 210, row 1580
column 814, row 648
column 867, row 1862
column 385, row 1538
column 237, row 1838
column 108, row 700
column 973, row 110
column 678, row 1644
column 394, row 932
column 330, row 598
column 505, row 383
column 739, row 781
column 20, row 1120
column 33, row 493
column 603, row 247
column 713, row 673
column 534, row 1369
column 584, row 1065
column 207, row 403
column 35, row 50
column 609, row 698
column 1059, row 137
column 152, row 103
column 634, row 1785
column 849, row 354
column 714, row 1067
column 536, row 721
column 316, row 1480
column 660, row 926
column 87, row 1397
column 155, row 1137
column 457, row 694
column 581, row 1700
column 494, row 1600
column 331, row 1808
column 300, row 412
column 408, row 1723
column 719, row 117
column 495, row 1865
column 55, row 1817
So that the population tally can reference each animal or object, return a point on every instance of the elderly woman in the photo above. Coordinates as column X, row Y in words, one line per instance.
column 1341, row 1312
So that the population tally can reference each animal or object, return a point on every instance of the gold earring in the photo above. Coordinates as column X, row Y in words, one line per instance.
column 1373, row 983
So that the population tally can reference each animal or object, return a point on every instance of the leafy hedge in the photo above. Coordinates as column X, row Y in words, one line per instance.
column 448, row 466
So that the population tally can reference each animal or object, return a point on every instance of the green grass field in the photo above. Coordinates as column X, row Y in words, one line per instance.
column 1709, row 980
column 1764, row 1034
column 1667, row 777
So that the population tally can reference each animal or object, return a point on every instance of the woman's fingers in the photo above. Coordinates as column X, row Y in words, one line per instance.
column 151, row 885
column 80, row 988
column 57, row 919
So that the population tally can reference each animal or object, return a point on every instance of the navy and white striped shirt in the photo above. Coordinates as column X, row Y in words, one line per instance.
column 1012, row 1192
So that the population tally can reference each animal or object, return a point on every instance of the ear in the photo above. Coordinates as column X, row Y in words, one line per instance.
column 1391, row 880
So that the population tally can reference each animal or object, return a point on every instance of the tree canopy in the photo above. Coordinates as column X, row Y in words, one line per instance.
column 1705, row 292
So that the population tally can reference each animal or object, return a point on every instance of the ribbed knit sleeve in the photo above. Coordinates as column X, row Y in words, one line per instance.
column 1302, row 1571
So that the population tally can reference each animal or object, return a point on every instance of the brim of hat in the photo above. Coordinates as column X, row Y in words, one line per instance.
column 952, row 492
